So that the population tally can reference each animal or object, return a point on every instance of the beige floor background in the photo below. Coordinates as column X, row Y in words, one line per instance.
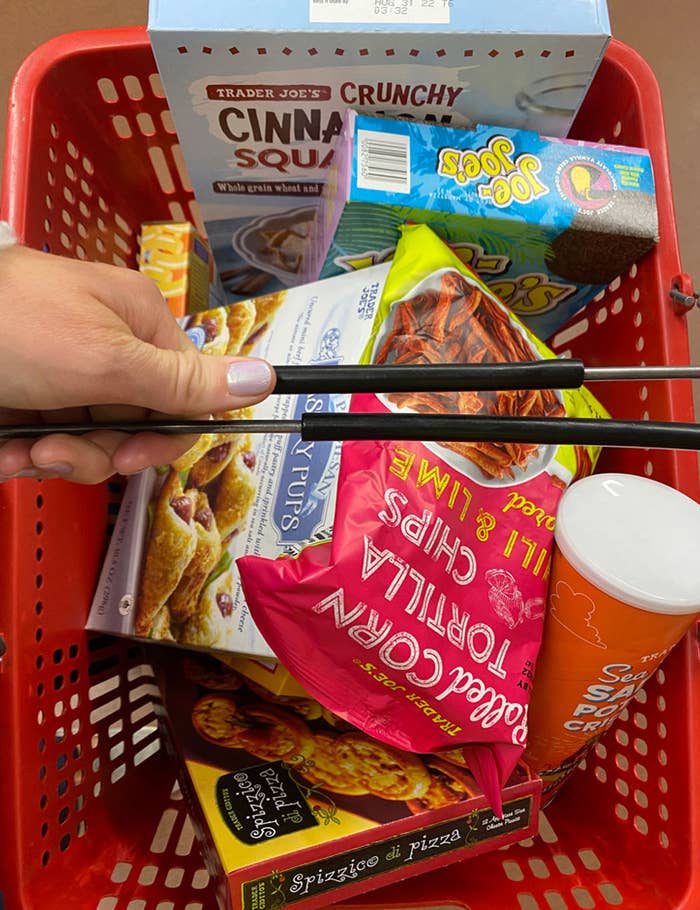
column 667, row 34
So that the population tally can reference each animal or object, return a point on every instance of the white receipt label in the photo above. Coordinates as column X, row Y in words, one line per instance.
column 418, row 12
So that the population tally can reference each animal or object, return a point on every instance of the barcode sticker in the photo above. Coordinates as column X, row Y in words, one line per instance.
column 383, row 162
column 424, row 12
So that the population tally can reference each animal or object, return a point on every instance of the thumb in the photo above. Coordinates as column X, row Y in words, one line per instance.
column 189, row 383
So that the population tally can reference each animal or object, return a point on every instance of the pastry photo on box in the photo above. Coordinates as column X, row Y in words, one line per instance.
column 294, row 807
column 169, row 572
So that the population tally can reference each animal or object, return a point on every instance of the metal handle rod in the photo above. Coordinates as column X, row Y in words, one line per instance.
column 419, row 427
column 455, row 377
column 434, row 377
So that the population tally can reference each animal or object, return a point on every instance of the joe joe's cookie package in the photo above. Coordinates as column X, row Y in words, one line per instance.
column 258, row 93
column 546, row 223
column 294, row 807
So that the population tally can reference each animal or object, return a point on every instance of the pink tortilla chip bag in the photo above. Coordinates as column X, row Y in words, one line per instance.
column 420, row 620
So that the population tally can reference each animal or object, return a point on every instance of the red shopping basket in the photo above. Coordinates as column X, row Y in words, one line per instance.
column 90, row 817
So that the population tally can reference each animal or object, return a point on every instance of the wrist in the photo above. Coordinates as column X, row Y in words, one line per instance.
column 8, row 237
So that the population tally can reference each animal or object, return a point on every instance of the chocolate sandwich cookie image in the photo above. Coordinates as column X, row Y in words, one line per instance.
column 601, row 243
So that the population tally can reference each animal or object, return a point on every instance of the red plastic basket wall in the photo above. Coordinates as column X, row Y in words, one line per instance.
column 90, row 817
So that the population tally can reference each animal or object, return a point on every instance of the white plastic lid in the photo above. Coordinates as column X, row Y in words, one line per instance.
column 635, row 539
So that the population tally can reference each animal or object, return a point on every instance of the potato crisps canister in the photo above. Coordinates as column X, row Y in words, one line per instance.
column 625, row 588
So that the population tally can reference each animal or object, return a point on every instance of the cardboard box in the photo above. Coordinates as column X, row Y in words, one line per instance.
column 547, row 223
column 174, row 255
column 268, row 673
column 295, row 808
column 168, row 577
column 258, row 92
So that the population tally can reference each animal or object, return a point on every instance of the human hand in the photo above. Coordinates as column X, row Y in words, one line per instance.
column 85, row 341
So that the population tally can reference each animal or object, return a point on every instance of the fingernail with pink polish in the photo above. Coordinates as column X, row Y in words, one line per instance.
column 249, row 378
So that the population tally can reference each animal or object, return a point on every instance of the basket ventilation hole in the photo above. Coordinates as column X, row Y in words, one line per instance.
column 640, row 745
column 102, row 688
column 641, row 799
column 122, row 224
column 121, row 871
column 555, row 900
column 86, row 188
column 116, row 727
column 143, row 754
column 116, row 751
column 572, row 332
column 53, row 129
column 513, row 871
column 648, row 469
column 167, row 121
column 617, row 129
column 622, row 812
column 589, row 860
column 107, row 90
column 583, row 898
column 617, row 305
column 195, row 906
column 546, row 831
column 538, row 868
column 88, row 166
column 176, row 211
column 174, row 877
column 186, row 840
column 163, row 831
column 133, row 88
column 121, row 126
column 641, row 773
column 663, row 840
column 641, row 825
column 640, row 720
column 74, row 702
column 148, row 875
column 610, row 893
column 70, row 173
column 108, row 903
column 145, row 123
column 162, row 172
column 72, row 150
column 622, row 787
column 118, row 773
column 564, row 864
column 527, row 902
column 601, row 774
column 156, row 85
column 643, row 393
column 58, row 709
column 196, row 216
column 122, row 244
column 183, row 174
column 601, row 315
column 200, row 879
column 615, row 285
